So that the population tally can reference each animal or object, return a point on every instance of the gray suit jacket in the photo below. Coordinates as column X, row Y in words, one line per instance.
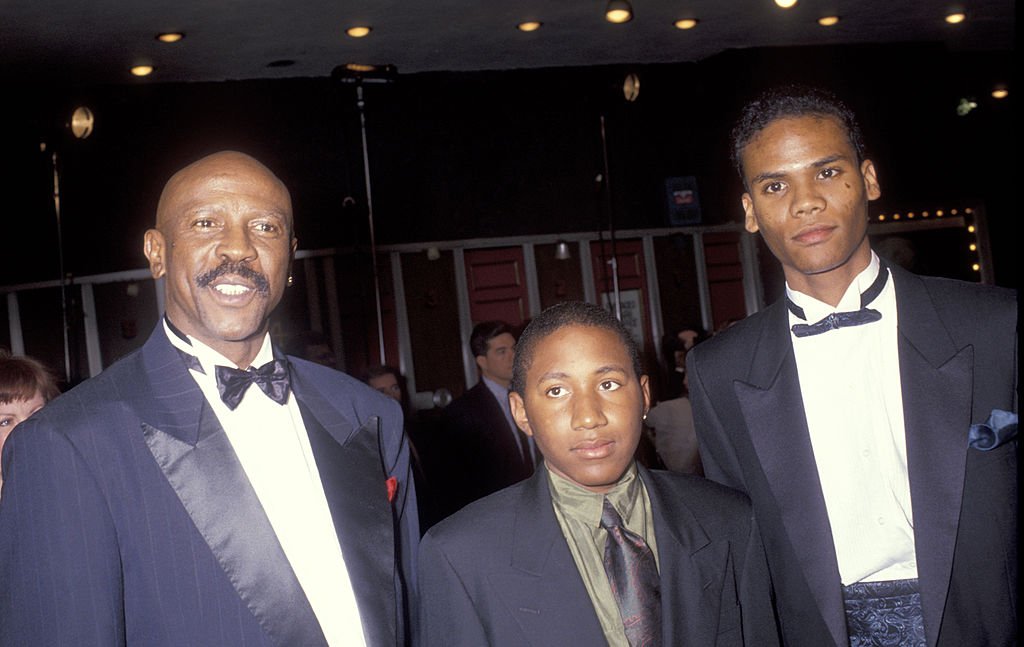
column 499, row 572
column 958, row 362
column 126, row 517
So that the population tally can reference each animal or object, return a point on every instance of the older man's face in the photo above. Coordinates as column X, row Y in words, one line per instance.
column 224, row 242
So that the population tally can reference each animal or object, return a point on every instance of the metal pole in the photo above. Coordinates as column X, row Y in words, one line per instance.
column 60, row 263
column 361, row 104
column 611, row 225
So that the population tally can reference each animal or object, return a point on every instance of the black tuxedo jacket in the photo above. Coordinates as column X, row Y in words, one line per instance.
column 500, row 572
column 958, row 362
column 478, row 452
column 126, row 517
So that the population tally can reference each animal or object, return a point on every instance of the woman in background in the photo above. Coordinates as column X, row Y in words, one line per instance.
column 25, row 386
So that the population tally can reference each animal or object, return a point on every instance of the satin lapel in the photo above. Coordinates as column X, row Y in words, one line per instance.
column 166, row 395
column 196, row 457
column 543, row 589
column 937, row 385
column 772, row 408
column 349, row 462
column 690, row 567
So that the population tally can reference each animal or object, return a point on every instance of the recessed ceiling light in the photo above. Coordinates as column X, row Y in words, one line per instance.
column 142, row 70
column 956, row 18
column 828, row 21
column 619, row 11
column 170, row 36
column 686, row 23
column 529, row 25
column 358, row 32
column 786, row 4
column 1000, row 93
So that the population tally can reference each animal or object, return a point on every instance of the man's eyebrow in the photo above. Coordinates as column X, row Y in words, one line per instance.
column 552, row 375
column 560, row 375
column 778, row 175
column 769, row 175
column 825, row 161
column 255, row 214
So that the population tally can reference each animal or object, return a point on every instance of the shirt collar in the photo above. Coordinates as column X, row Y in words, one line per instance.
column 816, row 310
column 499, row 391
column 209, row 357
column 581, row 504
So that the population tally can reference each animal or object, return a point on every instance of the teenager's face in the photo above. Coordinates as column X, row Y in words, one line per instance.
column 808, row 197
column 583, row 405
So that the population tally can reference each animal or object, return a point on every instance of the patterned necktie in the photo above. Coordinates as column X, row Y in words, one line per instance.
column 841, row 319
column 633, row 575
column 272, row 378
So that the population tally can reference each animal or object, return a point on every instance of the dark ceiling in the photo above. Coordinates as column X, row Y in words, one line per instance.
column 71, row 42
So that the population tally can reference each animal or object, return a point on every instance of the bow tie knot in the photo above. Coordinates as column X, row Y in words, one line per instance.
column 838, row 320
column 272, row 378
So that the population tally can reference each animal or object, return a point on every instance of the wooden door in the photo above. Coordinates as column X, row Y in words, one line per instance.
column 497, row 285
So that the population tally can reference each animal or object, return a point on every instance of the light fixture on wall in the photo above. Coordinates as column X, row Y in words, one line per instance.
column 81, row 123
column 618, row 11
column 631, row 87
column 562, row 251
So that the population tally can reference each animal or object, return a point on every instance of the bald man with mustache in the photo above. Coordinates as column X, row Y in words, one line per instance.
column 207, row 489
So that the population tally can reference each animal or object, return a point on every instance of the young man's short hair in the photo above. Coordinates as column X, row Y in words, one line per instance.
column 792, row 101
column 570, row 313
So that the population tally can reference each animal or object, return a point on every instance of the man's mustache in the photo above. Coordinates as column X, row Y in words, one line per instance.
column 241, row 269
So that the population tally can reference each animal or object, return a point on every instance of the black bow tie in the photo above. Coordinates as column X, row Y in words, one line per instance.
column 840, row 319
column 272, row 378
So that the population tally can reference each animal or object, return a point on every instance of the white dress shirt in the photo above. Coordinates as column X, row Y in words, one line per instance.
column 273, row 447
column 850, row 383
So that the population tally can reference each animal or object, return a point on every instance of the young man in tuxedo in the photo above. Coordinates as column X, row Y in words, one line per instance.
column 593, row 548
column 870, row 414
column 207, row 490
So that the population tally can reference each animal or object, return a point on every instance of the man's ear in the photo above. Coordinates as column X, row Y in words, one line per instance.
column 479, row 362
column 519, row 412
column 871, row 185
column 749, row 220
column 645, row 386
column 154, row 246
